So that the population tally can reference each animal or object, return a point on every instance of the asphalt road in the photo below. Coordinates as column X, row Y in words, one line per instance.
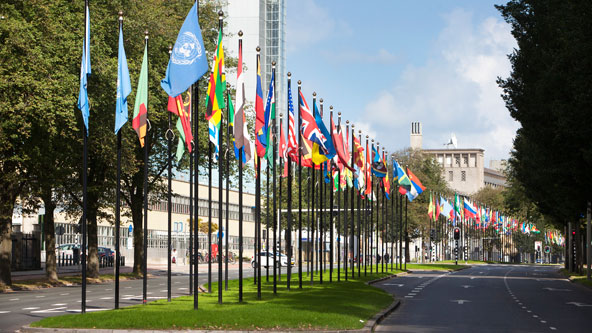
column 23, row 307
column 489, row 298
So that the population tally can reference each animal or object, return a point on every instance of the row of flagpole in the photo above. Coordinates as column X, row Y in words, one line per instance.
column 324, row 151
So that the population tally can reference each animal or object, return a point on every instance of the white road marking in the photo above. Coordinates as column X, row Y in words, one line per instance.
column 164, row 291
column 394, row 284
column 59, row 304
column 128, row 287
column 182, row 288
column 87, row 310
column 543, row 321
column 64, row 294
column 108, row 289
column 54, row 310
column 4, row 312
column 553, row 328
column 556, row 289
column 31, row 308
column 408, row 296
column 87, row 301
column 106, row 297
column 460, row 301
column 466, row 286
column 13, row 299
column 39, row 296
column 578, row 304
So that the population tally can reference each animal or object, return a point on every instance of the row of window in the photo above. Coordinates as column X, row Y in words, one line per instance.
column 184, row 208
column 463, row 176
column 468, row 160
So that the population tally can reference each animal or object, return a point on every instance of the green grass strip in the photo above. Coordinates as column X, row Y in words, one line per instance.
column 337, row 305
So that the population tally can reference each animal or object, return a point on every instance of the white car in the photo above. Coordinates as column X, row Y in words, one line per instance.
column 266, row 259
column 66, row 249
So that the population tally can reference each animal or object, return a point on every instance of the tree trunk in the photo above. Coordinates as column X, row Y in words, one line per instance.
column 49, row 231
column 7, row 201
column 92, row 267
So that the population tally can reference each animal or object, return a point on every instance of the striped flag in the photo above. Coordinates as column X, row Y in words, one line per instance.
column 239, row 127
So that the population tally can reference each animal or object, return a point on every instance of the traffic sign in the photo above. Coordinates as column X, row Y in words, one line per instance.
column 547, row 249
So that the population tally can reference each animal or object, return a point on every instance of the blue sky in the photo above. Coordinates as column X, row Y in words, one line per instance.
column 385, row 64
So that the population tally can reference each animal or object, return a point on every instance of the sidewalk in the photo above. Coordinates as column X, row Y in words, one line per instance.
column 152, row 268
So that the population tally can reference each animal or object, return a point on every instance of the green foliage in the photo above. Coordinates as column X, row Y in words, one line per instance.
column 429, row 171
column 548, row 92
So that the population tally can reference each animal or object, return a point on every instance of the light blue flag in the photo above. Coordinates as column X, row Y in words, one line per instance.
column 124, row 87
column 85, row 71
column 188, row 60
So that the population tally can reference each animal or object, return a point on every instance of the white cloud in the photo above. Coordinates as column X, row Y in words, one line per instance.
column 312, row 25
column 454, row 91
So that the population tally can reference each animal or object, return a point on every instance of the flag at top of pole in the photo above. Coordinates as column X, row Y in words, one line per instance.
column 124, row 86
column 188, row 60
column 140, row 119
column 85, row 71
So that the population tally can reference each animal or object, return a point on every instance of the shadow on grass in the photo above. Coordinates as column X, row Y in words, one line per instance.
column 337, row 305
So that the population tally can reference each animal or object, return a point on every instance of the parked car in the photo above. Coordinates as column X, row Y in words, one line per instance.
column 106, row 252
column 266, row 259
column 66, row 249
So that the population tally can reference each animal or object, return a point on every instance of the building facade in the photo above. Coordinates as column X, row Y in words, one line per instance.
column 263, row 23
column 463, row 168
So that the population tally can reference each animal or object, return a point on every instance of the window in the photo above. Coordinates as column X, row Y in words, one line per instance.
column 463, row 176
column 448, row 160
column 441, row 159
column 465, row 160
column 450, row 176
column 457, row 160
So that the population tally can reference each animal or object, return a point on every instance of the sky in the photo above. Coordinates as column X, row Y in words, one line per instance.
column 391, row 63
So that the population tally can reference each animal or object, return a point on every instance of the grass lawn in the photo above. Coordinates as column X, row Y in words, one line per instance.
column 575, row 277
column 337, row 305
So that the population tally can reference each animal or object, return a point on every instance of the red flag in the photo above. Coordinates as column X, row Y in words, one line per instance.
column 183, row 110
column 337, row 137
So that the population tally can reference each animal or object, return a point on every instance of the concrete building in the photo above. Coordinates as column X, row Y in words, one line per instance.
column 263, row 23
column 67, row 227
column 463, row 168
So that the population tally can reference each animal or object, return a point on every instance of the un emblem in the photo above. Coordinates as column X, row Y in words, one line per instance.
column 186, row 50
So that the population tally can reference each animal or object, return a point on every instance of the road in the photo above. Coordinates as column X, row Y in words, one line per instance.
column 23, row 307
column 489, row 298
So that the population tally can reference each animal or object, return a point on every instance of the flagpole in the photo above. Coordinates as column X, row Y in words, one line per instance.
column 274, row 184
column 366, row 214
column 229, row 146
column 289, row 226
column 321, row 214
column 84, row 179
column 194, row 253
column 299, row 189
column 220, row 183
column 257, row 272
column 145, row 189
column 240, row 194
column 352, row 232
column 209, row 250
column 331, row 203
column 192, row 120
column 118, row 200
column 400, row 232
column 169, row 136
column 315, row 256
column 267, row 222
column 359, row 199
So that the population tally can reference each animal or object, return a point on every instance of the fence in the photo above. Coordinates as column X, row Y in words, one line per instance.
column 26, row 251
